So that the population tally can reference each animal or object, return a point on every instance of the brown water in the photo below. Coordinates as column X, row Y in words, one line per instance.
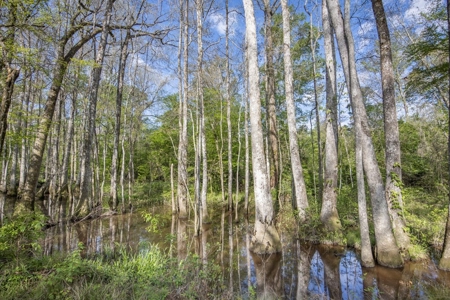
column 300, row 271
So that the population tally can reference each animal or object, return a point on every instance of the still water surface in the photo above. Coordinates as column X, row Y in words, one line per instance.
column 300, row 271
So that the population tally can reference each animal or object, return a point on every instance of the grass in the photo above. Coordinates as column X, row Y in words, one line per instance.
column 147, row 275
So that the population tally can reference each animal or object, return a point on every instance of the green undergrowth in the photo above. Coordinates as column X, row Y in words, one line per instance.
column 150, row 274
column 25, row 273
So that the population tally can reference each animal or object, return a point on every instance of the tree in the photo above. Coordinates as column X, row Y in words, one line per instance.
column 272, row 130
column 265, row 238
column 387, row 251
column 391, row 133
column 444, row 262
column 62, row 60
column 182, row 188
column 299, row 192
column 329, row 214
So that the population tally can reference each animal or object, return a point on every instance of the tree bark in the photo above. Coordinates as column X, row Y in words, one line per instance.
column 8, row 89
column 387, row 251
column 265, row 238
column 299, row 191
column 329, row 214
column 182, row 188
column 391, row 133
column 269, row 11
column 202, row 135
column 229, row 129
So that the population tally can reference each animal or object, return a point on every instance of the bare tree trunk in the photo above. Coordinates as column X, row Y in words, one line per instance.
column 86, row 202
column 387, row 251
column 247, row 146
column 391, row 134
column 269, row 11
column 182, row 147
column 24, row 131
column 299, row 191
column 202, row 135
column 230, row 148
column 444, row 262
column 329, row 214
column 8, row 89
column 265, row 238
column 114, row 201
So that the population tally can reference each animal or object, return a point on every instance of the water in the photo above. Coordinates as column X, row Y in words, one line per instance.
column 300, row 271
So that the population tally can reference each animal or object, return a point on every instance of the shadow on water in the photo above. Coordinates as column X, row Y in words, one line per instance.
column 300, row 271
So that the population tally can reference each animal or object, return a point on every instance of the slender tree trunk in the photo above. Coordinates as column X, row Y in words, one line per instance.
column 86, row 201
column 391, row 134
column 299, row 191
column 12, row 190
column 247, row 146
column 114, row 201
column 265, row 238
column 182, row 147
column 444, row 263
column 229, row 129
column 387, row 250
column 24, row 131
column 202, row 135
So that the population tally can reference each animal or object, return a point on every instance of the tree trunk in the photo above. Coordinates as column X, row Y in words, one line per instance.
column 270, row 98
column 8, row 89
column 329, row 214
column 391, row 134
column 114, row 201
column 202, row 135
column 299, row 191
column 86, row 202
column 444, row 263
column 265, row 238
column 387, row 250
column 229, row 129
column 182, row 147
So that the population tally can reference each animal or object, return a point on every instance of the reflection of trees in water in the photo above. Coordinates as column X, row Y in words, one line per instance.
column 351, row 276
column 268, row 275
column 303, row 272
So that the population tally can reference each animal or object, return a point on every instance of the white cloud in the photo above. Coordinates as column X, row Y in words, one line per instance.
column 416, row 8
column 219, row 22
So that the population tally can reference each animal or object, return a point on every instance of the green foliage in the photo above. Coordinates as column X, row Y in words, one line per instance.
column 19, row 236
column 149, row 274
column 429, row 55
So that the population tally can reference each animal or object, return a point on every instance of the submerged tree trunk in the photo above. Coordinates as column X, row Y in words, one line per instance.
column 329, row 214
column 265, row 238
column 387, row 251
column 299, row 191
column 392, row 139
